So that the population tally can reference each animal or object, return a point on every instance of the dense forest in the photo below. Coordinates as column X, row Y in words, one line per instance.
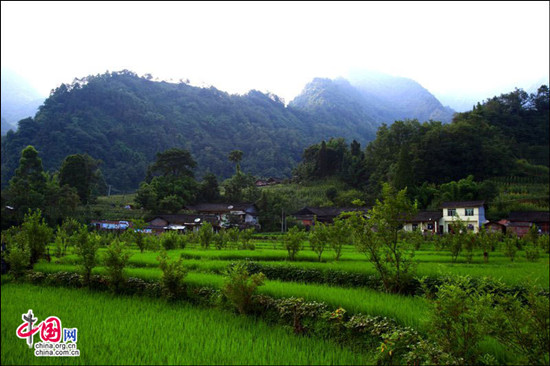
column 124, row 120
column 504, row 136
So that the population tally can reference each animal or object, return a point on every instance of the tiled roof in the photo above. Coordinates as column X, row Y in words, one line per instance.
column 425, row 216
column 461, row 204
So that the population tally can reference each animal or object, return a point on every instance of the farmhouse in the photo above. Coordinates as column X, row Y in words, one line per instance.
column 185, row 222
column 471, row 213
column 519, row 222
column 239, row 214
column 425, row 221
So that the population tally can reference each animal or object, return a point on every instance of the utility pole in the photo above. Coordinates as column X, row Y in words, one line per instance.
column 109, row 194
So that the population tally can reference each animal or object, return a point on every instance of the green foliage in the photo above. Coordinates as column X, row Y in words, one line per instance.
column 459, row 319
column 239, row 286
column 220, row 239
column 510, row 247
column 86, row 246
column 115, row 260
column 319, row 238
column 17, row 254
column 245, row 237
column 378, row 238
column 36, row 233
column 173, row 274
column 296, row 309
column 523, row 325
column 171, row 239
column 293, row 242
column 82, row 172
column 206, row 234
column 338, row 236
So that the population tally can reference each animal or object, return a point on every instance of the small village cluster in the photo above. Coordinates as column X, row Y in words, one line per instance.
column 246, row 215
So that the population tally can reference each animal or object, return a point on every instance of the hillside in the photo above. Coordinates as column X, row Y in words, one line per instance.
column 124, row 120
column 371, row 97
column 19, row 100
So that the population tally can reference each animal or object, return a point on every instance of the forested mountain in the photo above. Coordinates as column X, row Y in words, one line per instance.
column 371, row 97
column 19, row 100
column 124, row 120
column 504, row 136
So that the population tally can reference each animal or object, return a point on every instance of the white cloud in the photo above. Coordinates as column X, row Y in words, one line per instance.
column 464, row 48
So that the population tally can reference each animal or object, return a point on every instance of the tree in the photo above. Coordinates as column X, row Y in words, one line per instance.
column 86, row 247
column 82, row 172
column 236, row 156
column 378, row 237
column 27, row 187
column 293, row 242
column 115, row 260
column 37, row 234
column 175, row 162
column 209, row 190
column 318, row 239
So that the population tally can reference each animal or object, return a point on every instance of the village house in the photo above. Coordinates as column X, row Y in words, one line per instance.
column 180, row 223
column 471, row 213
column 110, row 225
column 237, row 214
column 425, row 221
column 520, row 222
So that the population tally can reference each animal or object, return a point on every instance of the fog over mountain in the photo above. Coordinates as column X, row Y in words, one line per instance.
column 19, row 99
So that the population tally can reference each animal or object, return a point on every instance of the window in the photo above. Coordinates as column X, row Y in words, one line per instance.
column 451, row 212
column 470, row 227
column 415, row 227
column 430, row 226
column 469, row 212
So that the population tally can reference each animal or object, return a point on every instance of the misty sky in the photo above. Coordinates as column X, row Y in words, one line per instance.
column 468, row 50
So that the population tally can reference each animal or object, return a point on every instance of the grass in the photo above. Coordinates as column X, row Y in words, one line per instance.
column 409, row 311
column 142, row 331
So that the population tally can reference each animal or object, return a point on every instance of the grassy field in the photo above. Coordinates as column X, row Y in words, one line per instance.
column 429, row 262
column 142, row 331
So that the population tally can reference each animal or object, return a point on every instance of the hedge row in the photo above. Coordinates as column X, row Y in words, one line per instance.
column 414, row 286
column 360, row 332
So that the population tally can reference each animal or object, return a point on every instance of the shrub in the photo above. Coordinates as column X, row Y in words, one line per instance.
column 296, row 309
column 86, row 246
column 36, row 233
column 523, row 324
column 205, row 235
column 172, row 240
column 293, row 242
column 318, row 239
column 246, row 236
column 510, row 247
column 458, row 320
column 220, row 239
column 173, row 274
column 532, row 253
column 239, row 286
column 115, row 260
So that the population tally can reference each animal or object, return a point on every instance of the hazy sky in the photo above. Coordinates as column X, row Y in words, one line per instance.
column 462, row 49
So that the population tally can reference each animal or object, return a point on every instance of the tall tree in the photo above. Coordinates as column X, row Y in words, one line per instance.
column 82, row 172
column 236, row 156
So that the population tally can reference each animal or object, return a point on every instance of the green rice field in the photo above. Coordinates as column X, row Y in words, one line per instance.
column 143, row 331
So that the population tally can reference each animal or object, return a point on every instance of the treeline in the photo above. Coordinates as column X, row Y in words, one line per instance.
column 504, row 136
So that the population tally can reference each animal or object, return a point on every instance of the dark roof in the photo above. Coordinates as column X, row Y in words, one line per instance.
column 222, row 207
column 182, row 219
column 326, row 211
column 425, row 216
column 529, row 216
column 461, row 204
